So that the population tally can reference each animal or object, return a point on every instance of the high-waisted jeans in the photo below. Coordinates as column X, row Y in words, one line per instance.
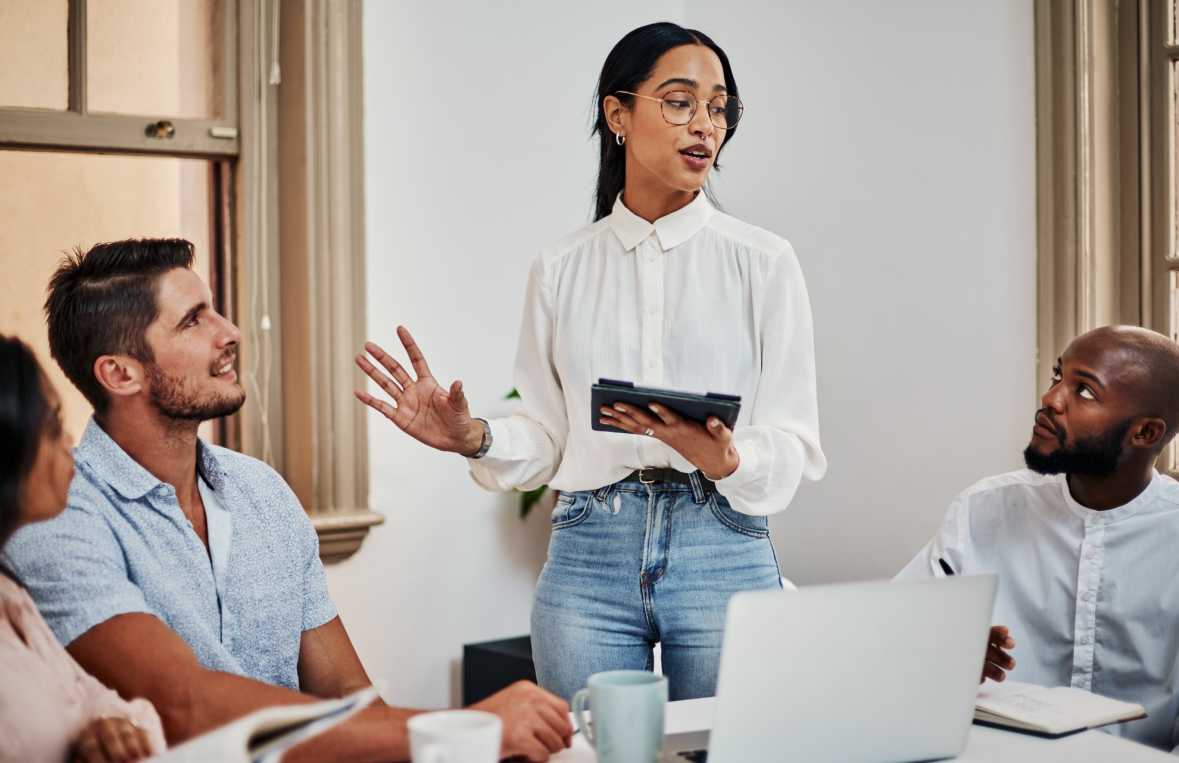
column 631, row 565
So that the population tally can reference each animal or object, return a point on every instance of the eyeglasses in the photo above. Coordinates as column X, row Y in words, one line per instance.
column 679, row 107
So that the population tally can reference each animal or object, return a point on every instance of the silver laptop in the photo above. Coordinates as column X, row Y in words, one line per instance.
column 870, row 672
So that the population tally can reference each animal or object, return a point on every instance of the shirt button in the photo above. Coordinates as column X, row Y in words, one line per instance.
column 1084, row 639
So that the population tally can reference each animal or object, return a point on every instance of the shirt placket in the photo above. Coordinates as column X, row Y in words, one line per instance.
column 1088, row 588
column 650, row 258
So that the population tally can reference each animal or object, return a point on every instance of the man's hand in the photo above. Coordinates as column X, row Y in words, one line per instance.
column 998, row 661
column 110, row 740
column 709, row 448
column 536, row 723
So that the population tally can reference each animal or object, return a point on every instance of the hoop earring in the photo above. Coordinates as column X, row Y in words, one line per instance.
column 619, row 138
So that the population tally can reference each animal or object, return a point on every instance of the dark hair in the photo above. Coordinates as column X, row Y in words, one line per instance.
column 24, row 414
column 101, row 303
column 629, row 65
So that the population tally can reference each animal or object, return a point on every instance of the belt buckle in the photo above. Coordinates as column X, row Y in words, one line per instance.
column 642, row 476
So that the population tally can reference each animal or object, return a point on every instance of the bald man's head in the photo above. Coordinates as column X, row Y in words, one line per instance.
column 1150, row 369
column 1113, row 403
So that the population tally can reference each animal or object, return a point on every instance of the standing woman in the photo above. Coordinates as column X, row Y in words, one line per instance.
column 656, row 529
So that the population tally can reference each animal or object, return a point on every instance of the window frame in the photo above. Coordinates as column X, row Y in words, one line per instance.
column 78, row 129
column 1161, row 234
column 254, row 278
column 1105, row 176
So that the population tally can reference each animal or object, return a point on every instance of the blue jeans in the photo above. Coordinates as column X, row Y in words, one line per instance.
column 631, row 565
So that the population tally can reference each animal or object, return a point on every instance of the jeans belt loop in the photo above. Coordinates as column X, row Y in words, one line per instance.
column 697, row 487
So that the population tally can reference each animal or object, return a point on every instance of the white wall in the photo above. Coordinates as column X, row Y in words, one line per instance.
column 892, row 143
column 477, row 155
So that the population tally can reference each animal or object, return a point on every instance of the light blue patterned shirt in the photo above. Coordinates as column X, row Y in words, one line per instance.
column 1091, row 597
column 124, row 545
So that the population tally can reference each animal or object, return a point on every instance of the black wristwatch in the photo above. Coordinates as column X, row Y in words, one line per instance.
column 485, row 445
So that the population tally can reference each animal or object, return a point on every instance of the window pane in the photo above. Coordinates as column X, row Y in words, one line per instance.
column 34, row 72
column 152, row 58
column 55, row 201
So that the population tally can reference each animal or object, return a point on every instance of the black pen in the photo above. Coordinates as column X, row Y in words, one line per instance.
column 946, row 568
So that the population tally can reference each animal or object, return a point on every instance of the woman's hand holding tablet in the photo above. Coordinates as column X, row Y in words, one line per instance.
column 697, row 426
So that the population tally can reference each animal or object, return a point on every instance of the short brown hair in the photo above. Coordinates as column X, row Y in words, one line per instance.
column 102, row 301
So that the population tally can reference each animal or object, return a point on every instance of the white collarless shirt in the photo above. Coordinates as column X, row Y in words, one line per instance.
column 1091, row 597
column 697, row 301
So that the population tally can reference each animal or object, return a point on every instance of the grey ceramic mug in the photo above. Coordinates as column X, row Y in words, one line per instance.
column 627, row 708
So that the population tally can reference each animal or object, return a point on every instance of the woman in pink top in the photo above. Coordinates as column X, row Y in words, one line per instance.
column 50, row 709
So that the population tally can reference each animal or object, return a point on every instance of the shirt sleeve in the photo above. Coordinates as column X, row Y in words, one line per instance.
column 318, row 607
column 526, row 448
column 102, row 702
column 74, row 569
column 780, row 444
column 949, row 544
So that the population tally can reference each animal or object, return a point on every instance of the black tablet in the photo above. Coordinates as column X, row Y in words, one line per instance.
column 691, row 405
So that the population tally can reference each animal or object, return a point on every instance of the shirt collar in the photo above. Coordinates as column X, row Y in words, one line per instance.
column 671, row 230
column 1140, row 501
column 126, row 475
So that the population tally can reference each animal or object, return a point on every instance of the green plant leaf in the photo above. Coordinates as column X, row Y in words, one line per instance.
column 513, row 395
column 528, row 499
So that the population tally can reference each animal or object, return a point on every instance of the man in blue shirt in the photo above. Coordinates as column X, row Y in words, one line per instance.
column 187, row 573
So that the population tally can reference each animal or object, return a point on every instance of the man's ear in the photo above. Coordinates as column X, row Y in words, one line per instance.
column 1148, row 433
column 614, row 112
column 119, row 375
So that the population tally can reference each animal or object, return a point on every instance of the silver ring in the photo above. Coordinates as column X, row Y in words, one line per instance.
column 649, row 432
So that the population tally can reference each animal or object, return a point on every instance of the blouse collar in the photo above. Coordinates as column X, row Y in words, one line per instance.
column 671, row 230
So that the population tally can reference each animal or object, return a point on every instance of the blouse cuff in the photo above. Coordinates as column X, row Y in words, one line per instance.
column 749, row 468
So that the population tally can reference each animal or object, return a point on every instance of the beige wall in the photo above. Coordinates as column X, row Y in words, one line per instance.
column 53, row 202
column 145, row 57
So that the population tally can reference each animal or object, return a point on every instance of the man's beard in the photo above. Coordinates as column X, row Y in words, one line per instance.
column 173, row 397
column 1096, row 456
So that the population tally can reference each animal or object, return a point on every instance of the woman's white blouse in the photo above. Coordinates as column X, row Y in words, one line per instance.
column 697, row 301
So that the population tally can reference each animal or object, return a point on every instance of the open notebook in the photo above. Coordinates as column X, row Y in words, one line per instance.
column 264, row 735
column 1052, row 712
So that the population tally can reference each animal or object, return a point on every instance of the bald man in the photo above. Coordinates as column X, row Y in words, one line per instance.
column 1085, row 541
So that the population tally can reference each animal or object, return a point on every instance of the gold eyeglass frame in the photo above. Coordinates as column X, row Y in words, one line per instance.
column 695, row 105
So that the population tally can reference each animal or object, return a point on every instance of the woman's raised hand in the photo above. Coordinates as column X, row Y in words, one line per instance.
column 420, row 407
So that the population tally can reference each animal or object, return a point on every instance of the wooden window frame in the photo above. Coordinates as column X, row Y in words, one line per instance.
column 300, row 305
column 1162, row 182
column 1104, row 177
column 322, row 259
column 78, row 129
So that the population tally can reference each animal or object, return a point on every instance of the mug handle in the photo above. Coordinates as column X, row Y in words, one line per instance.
column 432, row 754
column 579, row 705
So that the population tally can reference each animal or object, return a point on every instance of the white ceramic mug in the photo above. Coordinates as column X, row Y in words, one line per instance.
column 455, row 736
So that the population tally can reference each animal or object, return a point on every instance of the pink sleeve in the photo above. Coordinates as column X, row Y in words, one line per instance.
column 103, row 702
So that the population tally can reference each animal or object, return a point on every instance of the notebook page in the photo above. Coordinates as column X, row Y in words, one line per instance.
column 1054, row 709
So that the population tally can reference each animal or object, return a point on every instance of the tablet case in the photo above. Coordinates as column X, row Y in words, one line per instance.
column 690, row 405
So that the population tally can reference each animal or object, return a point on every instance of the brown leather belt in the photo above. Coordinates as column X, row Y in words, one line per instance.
column 652, row 474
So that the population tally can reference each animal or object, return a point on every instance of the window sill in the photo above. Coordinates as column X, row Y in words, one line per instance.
column 340, row 534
